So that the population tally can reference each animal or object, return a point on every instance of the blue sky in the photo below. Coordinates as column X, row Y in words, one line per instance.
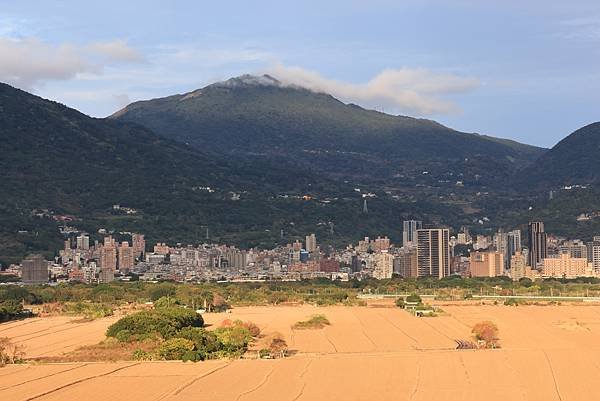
column 525, row 70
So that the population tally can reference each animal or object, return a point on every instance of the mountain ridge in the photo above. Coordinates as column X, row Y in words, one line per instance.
column 314, row 129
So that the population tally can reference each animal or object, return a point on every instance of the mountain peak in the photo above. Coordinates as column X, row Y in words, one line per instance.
column 247, row 80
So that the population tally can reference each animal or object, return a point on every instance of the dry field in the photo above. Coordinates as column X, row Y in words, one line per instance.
column 548, row 353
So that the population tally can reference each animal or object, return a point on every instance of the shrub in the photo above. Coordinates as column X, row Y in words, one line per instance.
column 252, row 328
column 90, row 310
column 219, row 303
column 10, row 352
column 10, row 309
column 277, row 345
column 512, row 302
column 175, row 348
column 413, row 298
column 164, row 322
column 234, row 339
column 141, row 355
column 205, row 342
column 165, row 302
column 162, row 290
column 400, row 303
column 487, row 332
column 315, row 322
column 123, row 336
column 525, row 282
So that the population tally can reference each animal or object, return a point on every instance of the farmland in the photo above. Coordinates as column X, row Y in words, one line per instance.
column 366, row 353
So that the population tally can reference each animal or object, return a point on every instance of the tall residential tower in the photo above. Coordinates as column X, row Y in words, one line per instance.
column 433, row 253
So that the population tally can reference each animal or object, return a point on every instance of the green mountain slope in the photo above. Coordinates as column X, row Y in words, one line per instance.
column 573, row 161
column 57, row 162
column 259, row 116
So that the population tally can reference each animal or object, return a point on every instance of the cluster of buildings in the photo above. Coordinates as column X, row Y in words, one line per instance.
column 82, row 261
column 424, row 252
column 543, row 256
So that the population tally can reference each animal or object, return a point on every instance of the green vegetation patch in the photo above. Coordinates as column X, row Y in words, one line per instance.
column 315, row 322
column 166, row 323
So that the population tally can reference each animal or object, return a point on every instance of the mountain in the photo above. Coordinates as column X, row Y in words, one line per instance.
column 573, row 161
column 260, row 117
column 61, row 168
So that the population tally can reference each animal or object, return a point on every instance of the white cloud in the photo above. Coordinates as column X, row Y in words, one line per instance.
column 400, row 90
column 117, row 50
column 121, row 100
column 29, row 63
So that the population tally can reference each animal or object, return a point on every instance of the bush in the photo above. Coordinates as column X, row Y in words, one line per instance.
column 525, row 282
column 233, row 340
column 400, row 303
column 141, row 355
column 512, row 302
column 413, row 298
column 9, row 352
column 205, row 342
column 315, row 322
column 277, row 345
column 487, row 332
column 166, row 302
column 162, row 290
column 164, row 322
column 90, row 310
column 123, row 336
column 10, row 309
column 175, row 348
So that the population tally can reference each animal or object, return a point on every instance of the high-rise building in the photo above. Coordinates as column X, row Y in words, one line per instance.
column 593, row 254
column 575, row 249
column 501, row 245
column 329, row 265
column 514, row 242
column 34, row 270
column 108, row 254
column 486, row 264
column 126, row 257
column 161, row 248
column 405, row 263
column 355, row 265
column 409, row 232
column 382, row 244
column 518, row 266
column 83, row 242
column 564, row 266
column 433, row 252
column 537, row 242
column 311, row 243
column 384, row 265
column 139, row 245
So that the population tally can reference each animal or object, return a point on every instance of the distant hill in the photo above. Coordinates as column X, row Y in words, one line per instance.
column 258, row 116
column 573, row 161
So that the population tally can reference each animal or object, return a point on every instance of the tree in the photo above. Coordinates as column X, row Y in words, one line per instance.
column 525, row 282
column 487, row 332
